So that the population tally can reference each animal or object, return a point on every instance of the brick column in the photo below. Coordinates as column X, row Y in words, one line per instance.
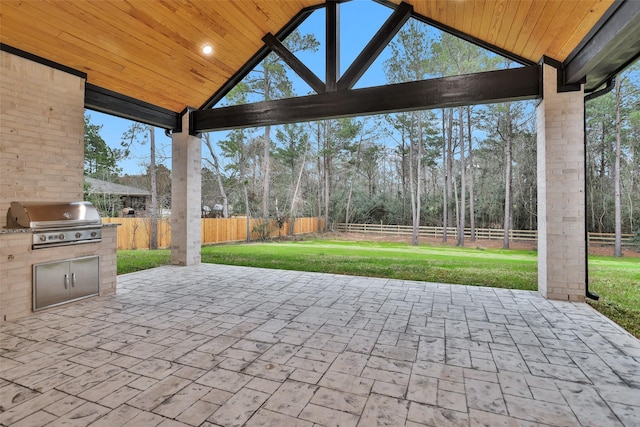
column 561, row 186
column 186, row 161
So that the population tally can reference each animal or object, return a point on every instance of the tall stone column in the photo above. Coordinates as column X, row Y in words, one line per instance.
column 186, row 160
column 561, row 186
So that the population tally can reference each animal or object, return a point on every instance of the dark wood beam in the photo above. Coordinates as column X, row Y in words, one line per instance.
column 481, row 88
column 332, row 58
column 257, row 58
column 296, row 65
column 376, row 45
column 116, row 104
column 612, row 45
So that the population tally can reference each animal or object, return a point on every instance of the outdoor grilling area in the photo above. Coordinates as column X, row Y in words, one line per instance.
column 193, row 344
column 49, row 238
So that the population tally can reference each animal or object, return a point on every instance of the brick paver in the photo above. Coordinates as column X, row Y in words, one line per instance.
column 217, row 345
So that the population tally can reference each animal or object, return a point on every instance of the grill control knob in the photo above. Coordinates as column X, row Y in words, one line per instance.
column 61, row 236
column 94, row 233
column 43, row 238
column 78, row 235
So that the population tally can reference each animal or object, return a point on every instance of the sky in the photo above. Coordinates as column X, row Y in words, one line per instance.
column 353, row 38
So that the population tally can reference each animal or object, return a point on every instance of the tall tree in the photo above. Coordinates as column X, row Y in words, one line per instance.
column 100, row 160
column 600, row 125
column 142, row 134
column 409, row 61
column 215, row 163
column 626, row 92
column 507, row 135
column 472, row 211
column 455, row 56
column 235, row 148
column 270, row 81
column 292, row 154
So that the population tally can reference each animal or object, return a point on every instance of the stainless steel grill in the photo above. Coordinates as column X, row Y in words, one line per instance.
column 57, row 223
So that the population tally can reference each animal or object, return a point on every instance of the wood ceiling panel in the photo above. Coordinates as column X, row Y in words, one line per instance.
column 150, row 49
column 549, row 27
column 467, row 16
column 504, row 25
column 573, row 35
column 485, row 22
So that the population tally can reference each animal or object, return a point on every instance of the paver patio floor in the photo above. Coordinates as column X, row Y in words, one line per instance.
column 218, row 345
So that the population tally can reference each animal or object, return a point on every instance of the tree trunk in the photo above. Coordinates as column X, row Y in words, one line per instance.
column 507, row 178
column 243, row 179
column 412, row 188
column 472, row 213
column 463, row 183
column 266, row 155
column 153, row 244
column 346, row 215
column 416, row 218
column 445, row 177
column 216, row 166
column 357, row 166
column 403, row 176
column 327, row 179
column 450, row 166
column 294, row 199
column 617, row 251
column 320, row 170
column 455, row 196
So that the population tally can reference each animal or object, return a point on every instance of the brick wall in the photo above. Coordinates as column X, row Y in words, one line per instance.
column 561, row 183
column 41, row 133
column 41, row 159
column 186, row 158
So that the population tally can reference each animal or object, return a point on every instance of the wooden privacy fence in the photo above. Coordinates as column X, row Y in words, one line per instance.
column 135, row 233
column 481, row 233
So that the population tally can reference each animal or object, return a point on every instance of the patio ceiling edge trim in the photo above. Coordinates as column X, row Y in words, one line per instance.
column 116, row 104
column 611, row 45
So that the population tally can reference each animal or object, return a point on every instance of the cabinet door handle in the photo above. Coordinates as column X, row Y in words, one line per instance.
column 73, row 280
column 66, row 281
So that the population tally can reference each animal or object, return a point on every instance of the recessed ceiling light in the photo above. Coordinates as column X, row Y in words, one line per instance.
column 207, row 49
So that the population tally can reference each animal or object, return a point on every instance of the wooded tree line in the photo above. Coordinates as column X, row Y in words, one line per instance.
column 463, row 167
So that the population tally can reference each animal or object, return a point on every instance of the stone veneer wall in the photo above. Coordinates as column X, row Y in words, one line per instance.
column 186, row 165
column 41, row 159
column 41, row 133
column 561, row 184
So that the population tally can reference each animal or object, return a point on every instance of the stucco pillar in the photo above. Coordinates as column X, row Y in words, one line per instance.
column 186, row 158
column 561, row 186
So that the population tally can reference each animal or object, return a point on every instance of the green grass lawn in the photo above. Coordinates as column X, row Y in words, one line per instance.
column 617, row 281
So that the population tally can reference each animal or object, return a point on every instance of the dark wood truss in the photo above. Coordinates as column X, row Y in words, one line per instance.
column 488, row 87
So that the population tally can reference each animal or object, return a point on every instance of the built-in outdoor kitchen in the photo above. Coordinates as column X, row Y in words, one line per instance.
column 54, row 249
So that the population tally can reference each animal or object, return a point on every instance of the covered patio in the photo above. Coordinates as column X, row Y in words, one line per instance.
column 209, row 345
column 213, row 345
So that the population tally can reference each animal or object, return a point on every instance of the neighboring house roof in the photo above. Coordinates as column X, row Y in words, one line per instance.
column 104, row 187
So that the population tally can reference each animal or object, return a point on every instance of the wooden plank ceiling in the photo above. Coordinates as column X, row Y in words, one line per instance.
column 151, row 50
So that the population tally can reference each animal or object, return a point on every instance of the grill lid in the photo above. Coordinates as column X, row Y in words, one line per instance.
column 39, row 215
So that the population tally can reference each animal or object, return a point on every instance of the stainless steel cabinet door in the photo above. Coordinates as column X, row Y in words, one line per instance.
column 51, row 286
column 85, row 277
